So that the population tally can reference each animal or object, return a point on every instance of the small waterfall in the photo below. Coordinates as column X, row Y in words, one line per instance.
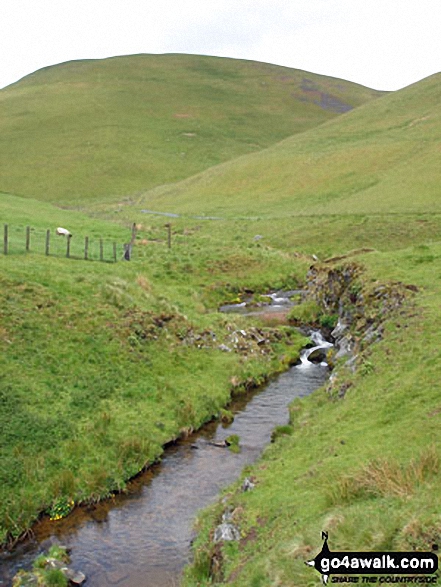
column 320, row 343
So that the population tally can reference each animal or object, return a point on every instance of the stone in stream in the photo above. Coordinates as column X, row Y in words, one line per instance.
column 317, row 355
column 75, row 577
column 37, row 576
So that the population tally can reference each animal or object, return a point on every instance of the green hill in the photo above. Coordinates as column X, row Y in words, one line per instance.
column 103, row 363
column 89, row 130
column 381, row 157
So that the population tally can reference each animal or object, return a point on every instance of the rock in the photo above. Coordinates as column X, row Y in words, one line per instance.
column 53, row 563
column 219, row 444
column 344, row 347
column 29, row 579
column 76, row 577
column 247, row 484
column 226, row 532
column 372, row 334
column 227, row 517
column 343, row 389
column 351, row 364
column 258, row 237
column 333, row 377
column 317, row 355
column 224, row 348
column 339, row 330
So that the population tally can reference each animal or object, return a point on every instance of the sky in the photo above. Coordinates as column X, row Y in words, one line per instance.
column 382, row 44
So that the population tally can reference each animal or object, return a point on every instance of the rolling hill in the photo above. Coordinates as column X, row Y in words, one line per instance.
column 104, row 363
column 91, row 130
column 381, row 157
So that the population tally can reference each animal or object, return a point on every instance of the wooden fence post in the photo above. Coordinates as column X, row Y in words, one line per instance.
column 5, row 240
column 28, row 238
column 68, row 246
column 168, row 226
column 48, row 238
column 86, row 248
column 101, row 250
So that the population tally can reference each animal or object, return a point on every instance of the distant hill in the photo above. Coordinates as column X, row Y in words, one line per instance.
column 89, row 130
column 383, row 157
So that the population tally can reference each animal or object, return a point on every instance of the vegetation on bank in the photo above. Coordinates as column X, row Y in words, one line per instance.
column 362, row 460
column 101, row 364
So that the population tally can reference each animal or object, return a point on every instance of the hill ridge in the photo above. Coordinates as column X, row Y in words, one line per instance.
column 97, row 129
column 366, row 151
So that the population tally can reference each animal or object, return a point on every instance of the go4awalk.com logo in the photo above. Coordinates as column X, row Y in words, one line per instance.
column 385, row 566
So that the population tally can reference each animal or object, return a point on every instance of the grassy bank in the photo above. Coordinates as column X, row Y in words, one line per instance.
column 101, row 364
column 362, row 460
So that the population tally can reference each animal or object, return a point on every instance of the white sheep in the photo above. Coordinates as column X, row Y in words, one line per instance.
column 63, row 232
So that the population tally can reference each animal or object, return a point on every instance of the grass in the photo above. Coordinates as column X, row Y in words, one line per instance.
column 94, row 363
column 101, row 364
column 94, row 130
column 378, row 159
column 343, row 469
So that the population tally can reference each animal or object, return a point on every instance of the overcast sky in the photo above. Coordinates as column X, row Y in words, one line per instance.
column 383, row 44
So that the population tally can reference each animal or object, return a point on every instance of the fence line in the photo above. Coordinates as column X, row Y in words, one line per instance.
column 27, row 239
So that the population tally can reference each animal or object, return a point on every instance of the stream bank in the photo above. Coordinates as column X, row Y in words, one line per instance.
column 144, row 536
column 288, row 487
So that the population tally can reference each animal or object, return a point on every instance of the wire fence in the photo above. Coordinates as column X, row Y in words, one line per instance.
column 25, row 239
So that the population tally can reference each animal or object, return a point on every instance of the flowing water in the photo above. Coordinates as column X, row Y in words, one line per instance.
column 144, row 538
column 278, row 301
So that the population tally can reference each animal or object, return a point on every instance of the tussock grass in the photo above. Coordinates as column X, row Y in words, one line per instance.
column 385, row 478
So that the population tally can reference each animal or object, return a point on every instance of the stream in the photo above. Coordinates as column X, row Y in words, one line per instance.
column 143, row 538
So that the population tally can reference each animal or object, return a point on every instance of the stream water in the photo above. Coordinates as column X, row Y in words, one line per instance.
column 278, row 301
column 143, row 538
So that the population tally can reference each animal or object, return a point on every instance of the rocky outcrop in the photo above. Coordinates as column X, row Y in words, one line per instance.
column 361, row 307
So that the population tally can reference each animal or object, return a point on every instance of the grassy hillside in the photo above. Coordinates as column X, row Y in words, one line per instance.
column 87, row 130
column 363, row 464
column 380, row 158
column 101, row 363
